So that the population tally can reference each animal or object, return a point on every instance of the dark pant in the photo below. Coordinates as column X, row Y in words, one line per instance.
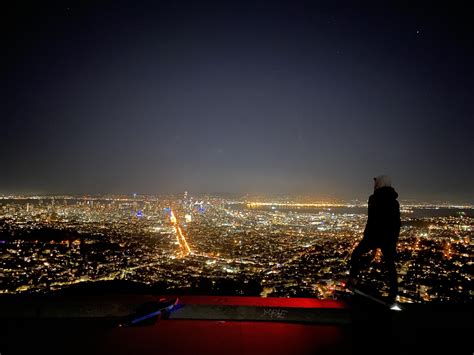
column 389, row 251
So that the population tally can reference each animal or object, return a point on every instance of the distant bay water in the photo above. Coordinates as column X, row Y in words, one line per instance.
column 416, row 211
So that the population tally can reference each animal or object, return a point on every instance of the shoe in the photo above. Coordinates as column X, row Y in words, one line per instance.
column 352, row 283
column 395, row 306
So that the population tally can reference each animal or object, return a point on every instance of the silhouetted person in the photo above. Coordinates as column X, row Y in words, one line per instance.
column 381, row 231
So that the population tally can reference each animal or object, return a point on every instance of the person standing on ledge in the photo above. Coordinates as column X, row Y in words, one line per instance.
column 381, row 231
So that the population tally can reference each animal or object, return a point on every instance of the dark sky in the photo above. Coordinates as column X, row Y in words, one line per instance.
column 120, row 97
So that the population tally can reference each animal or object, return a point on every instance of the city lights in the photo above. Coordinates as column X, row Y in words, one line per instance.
column 269, row 247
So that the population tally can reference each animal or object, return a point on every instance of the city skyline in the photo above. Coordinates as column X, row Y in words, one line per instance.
column 269, row 199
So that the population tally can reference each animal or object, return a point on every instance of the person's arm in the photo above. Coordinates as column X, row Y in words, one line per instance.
column 397, row 217
column 394, row 221
column 370, row 216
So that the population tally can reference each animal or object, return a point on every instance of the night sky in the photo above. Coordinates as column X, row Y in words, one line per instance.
column 272, row 98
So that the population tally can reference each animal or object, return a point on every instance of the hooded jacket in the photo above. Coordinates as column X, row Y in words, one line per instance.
column 383, row 222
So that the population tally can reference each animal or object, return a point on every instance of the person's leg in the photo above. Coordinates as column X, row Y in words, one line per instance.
column 389, row 255
column 356, row 258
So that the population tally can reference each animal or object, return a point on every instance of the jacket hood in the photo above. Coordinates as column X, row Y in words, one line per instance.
column 386, row 192
column 382, row 181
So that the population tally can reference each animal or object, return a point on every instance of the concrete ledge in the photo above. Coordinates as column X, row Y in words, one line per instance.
column 265, row 314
